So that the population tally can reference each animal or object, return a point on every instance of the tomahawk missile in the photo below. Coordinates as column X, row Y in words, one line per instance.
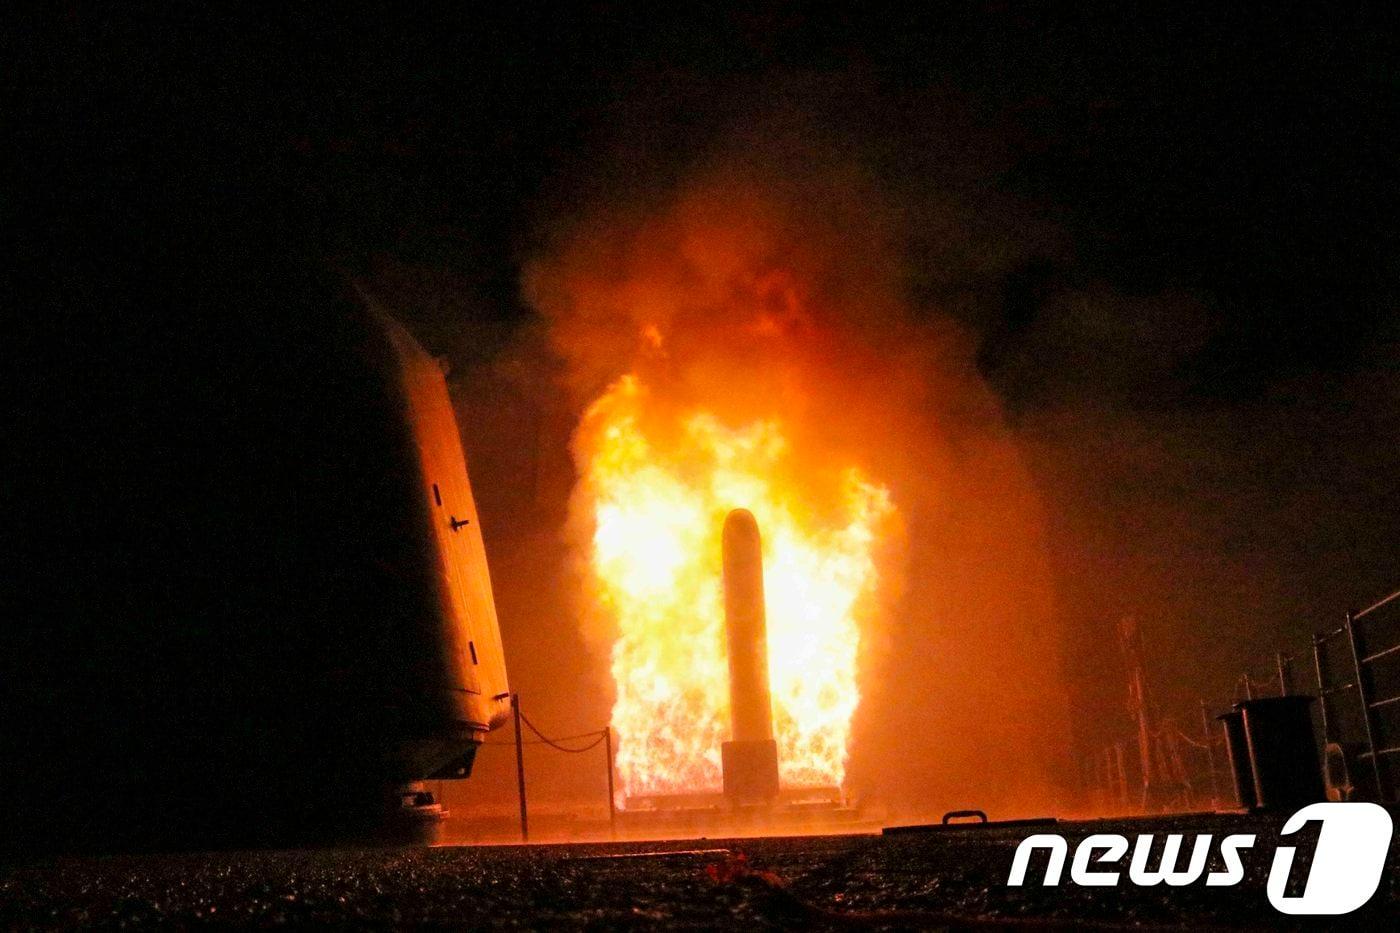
column 750, row 760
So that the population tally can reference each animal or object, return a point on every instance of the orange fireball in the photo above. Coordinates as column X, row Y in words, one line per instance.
column 659, row 484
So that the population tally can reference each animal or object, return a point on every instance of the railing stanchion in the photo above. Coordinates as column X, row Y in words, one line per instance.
column 612, row 796
column 1210, row 754
column 520, row 770
column 1363, row 693
column 1322, row 689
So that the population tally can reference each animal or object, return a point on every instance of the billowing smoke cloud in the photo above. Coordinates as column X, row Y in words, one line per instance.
column 769, row 282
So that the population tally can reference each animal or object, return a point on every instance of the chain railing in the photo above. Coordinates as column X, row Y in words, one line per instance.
column 601, row 736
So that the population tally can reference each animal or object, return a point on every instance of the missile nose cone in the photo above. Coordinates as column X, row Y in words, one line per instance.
column 740, row 527
column 736, row 516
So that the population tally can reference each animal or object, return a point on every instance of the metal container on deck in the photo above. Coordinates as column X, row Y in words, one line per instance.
column 1282, row 752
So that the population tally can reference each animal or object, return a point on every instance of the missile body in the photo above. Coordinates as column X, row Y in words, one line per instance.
column 746, row 632
column 751, row 759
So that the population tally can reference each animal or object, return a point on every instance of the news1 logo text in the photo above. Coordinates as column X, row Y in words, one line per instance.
column 1352, row 844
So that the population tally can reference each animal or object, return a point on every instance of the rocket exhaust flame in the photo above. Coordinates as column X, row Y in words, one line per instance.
column 661, row 483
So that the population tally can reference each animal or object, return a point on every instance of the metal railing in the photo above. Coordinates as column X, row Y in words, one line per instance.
column 1278, row 681
column 1356, row 671
column 1375, row 684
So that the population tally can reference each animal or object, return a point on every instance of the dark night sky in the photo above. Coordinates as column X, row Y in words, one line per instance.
column 1237, row 154
column 1174, row 233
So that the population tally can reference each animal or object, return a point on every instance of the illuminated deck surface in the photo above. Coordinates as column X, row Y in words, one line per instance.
column 870, row 882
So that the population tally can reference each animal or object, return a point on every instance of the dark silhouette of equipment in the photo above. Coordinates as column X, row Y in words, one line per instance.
column 282, row 618
column 1282, row 752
